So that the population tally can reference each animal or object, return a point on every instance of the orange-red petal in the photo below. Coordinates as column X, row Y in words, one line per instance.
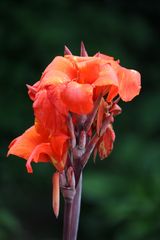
column 59, row 143
column 53, row 78
column 24, row 145
column 40, row 153
column 129, row 83
column 88, row 71
column 107, row 82
column 63, row 65
column 78, row 97
column 47, row 114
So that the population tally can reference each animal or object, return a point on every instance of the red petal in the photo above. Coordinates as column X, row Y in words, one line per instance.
column 63, row 65
column 54, row 95
column 88, row 71
column 112, row 93
column 107, row 82
column 129, row 83
column 59, row 143
column 78, row 97
column 36, row 155
column 53, row 78
column 47, row 114
column 24, row 145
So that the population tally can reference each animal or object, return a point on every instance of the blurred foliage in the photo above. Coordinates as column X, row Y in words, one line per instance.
column 121, row 195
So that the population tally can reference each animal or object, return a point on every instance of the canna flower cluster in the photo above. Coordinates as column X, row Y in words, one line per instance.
column 74, row 103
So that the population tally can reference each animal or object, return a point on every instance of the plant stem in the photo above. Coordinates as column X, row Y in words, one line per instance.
column 67, row 219
column 71, row 211
column 76, row 210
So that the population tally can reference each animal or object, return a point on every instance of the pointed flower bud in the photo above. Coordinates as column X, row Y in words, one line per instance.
column 55, row 193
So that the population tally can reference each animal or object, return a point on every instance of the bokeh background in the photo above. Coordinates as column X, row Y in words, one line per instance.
column 121, row 195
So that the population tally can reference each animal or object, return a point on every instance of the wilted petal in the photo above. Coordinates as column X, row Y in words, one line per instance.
column 105, row 145
column 115, row 109
column 129, row 83
column 78, row 97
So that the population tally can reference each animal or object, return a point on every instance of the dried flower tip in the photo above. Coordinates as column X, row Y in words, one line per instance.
column 83, row 50
column 67, row 51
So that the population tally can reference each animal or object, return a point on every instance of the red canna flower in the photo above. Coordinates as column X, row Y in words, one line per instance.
column 71, row 83
column 74, row 102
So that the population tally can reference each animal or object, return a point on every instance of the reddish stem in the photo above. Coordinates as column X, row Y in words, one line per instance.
column 67, row 219
column 76, row 210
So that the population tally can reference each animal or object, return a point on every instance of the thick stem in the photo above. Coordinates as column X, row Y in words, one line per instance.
column 67, row 219
column 71, row 210
column 76, row 210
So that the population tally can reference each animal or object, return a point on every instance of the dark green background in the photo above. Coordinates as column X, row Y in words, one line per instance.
column 121, row 195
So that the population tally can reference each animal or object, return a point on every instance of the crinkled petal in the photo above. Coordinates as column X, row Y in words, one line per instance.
column 129, row 83
column 78, row 97
column 47, row 115
column 54, row 95
column 105, row 145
